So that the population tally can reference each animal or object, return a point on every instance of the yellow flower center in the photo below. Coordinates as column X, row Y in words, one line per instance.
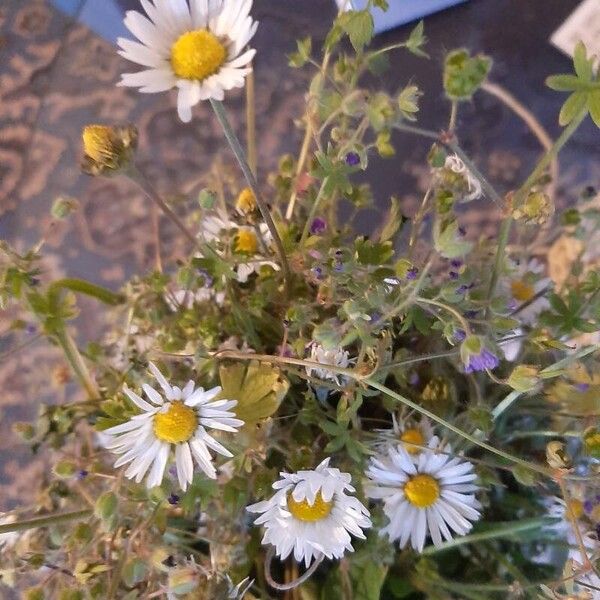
column 521, row 290
column 98, row 142
column 177, row 424
column 303, row 511
column 422, row 490
column 246, row 202
column 246, row 241
column 412, row 436
column 197, row 55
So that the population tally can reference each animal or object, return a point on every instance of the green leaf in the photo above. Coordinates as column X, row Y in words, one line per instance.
column 302, row 56
column 258, row 388
column 135, row 571
column 447, row 240
column 416, row 40
column 572, row 107
column 393, row 221
column 583, row 66
column 408, row 102
column 371, row 253
column 463, row 74
column 593, row 101
column 359, row 26
column 564, row 83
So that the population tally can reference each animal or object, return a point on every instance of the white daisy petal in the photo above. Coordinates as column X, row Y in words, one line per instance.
column 423, row 495
column 170, row 57
column 144, row 442
column 300, row 520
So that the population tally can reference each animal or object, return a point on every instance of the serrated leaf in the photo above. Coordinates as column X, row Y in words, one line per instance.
column 464, row 74
column 447, row 240
column 593, row 101
column 258, row 388
column 359, row 26
column 572, row 107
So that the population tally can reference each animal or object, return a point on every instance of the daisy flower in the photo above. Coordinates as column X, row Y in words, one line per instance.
column 176, row 419
column 411, row 433
column 195, row 46
column 524, row 282
column 337, row 357
column 312, row 515
column 246, row 241
column 429, row 494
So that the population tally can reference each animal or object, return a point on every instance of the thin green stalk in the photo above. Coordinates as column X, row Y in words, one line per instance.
column 236, row 147
column 75, row 360
column 313, row 211
column 453, row 116
column 251, row 122
column 501, row 530
column 446, row 307
column 467, row 436
column 140, row 178
column 45, row 521
column 369, row 381
column 521, row 194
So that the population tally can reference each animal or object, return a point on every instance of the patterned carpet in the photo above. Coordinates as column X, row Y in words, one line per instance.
column 56, row 76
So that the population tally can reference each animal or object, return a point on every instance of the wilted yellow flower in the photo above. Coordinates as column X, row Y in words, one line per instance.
column 556, row 455
column 561, row 256
column 537, row 209
column 246, row 202
column 107, row 148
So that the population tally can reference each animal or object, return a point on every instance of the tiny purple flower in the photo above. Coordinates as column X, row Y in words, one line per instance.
column 460, row 335
column 82, row 474
column 317, row 272
column 338, row 266
column 412, row 273
column 582, row 387
column 462, row 289
column 352, row 159
column 173, row 499
column 456, row 264
column 471, row 314
column 414, row 378
column 318, row 226
column 485, row 360
column 30, row 328
column 462, row 231
column 512, row 304
column 588, row 506
column 453, row 275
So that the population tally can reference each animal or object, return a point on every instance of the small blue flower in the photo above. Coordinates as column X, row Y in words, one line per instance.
column 352, row 159
column 412, row 273
column 414, row 378
column 318, row 226
column 453, row 275
column 483, row 361
column 460, row 335
column 582, row 387
column 471, row 314
column 82, row 474
column 456, row 264
column 317, row 272
column 173, row 499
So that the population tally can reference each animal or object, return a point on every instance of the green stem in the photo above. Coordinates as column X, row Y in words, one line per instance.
column 313, row 211
column 501, row 530
column 81, row 286
column 453, row 116
column 521, row 194
column 236, row 147
column 251, row 122
column 452, row 311
column 467, row 436
column 140, row 178
column 232, row 354
column 75, row 360
column 45, row 521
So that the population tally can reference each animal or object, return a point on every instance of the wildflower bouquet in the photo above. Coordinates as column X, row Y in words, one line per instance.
column 294, row 411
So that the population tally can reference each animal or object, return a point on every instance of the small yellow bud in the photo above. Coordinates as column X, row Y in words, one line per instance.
column 246, row 202
column 246, row 241
column 107, row 148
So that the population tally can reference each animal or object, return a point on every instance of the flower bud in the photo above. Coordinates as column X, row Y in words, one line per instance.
column 524, row 378
column 556, row 455
column 536, row 210
column 246, row 202
column 107, row 148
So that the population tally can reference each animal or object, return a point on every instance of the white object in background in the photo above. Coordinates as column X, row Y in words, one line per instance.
column 582, row 25
column 400, row 11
